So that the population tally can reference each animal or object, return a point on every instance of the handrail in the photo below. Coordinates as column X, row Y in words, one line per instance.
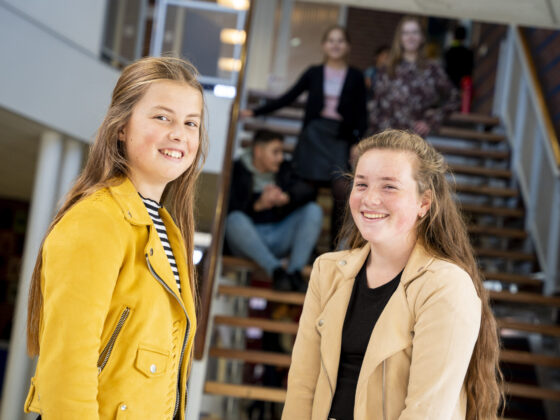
column 214, row 251
column 536, row 85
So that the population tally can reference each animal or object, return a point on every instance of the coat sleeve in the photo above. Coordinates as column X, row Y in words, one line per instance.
column 288, row 97
column 449, row 98
column 82, row 258
column 305, row 367
column 447, row 322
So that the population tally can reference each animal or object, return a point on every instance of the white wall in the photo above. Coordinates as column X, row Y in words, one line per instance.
column 79, row 21
column 49, row 79
column 219, row 110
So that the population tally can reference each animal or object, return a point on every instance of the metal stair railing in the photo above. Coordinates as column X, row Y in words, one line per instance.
column 535, row 149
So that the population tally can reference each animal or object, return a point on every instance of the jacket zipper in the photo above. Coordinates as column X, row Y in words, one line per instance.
column 383, row 394
column 107, row 350
column 185, row 339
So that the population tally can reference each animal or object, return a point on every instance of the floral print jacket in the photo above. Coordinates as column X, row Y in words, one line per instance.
column 414, row 94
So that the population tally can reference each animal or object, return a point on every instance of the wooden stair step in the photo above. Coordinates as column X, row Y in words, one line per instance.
column 526, row 358
column 469, row 134
column 253, row 356
column 249, row 392
column 486, row 190
column 254, row 125
column 492, row 210
column 294, row 298
column 238, row 263
column 480, row 171
column 496, row 231
column 510, row 255
column 472, row 152
column 530, row 391
column 512, row 278
column 283, row 327
column 544, row 329
column 472, row 118
column 525, row 297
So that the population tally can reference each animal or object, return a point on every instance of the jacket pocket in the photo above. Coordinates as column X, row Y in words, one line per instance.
column 151, row 361
column 108, row 349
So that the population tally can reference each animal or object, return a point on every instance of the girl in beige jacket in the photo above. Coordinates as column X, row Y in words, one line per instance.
column 426, row 346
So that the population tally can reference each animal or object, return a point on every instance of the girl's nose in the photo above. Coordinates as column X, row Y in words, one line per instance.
column 372, row 196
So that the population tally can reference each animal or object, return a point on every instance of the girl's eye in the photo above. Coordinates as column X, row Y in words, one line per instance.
column 162, row 118
column 390, row 187
column 191, row 124
column 361, row 185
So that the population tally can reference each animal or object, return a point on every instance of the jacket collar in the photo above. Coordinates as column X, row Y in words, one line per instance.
column 130, row 202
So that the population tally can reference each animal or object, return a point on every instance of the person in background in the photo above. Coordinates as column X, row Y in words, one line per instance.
column 272, row 213
column 335, row 119
column 381, row 58
column 459, row 59
column 398, row 326
column 111, row 310
column 411, row 92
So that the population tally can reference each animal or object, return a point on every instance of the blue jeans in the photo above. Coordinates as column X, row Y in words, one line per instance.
column 266, row 243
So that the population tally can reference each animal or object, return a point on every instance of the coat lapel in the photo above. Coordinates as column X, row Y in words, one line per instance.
column 331, row 320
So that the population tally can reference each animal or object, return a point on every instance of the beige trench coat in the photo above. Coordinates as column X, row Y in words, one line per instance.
column 419, row 351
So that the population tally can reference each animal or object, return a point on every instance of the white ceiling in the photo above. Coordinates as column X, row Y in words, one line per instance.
column 538, row 13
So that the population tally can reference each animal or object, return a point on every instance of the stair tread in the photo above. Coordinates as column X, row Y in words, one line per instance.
column 498, row 211
column 512, row 278
column 250, row 392
column 230, row 261
column 470, row 134
column 544, row 329
column 472, row 152
column 524, row 357
column 286, row 130
column 473, row 118
column 497, row 231
column 531, row 391
column 480, row 171
column 498, row 253
column 486, row 190
column 286, row 327
column 252, row 356
column 525, row 297
column 294, row 298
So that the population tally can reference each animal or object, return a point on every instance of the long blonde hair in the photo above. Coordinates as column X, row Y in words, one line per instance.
column 396, row 52
column 107, row 164
column 443, row 233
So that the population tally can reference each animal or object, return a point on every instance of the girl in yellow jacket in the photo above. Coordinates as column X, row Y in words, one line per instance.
column 399, row 326
column 111, row 307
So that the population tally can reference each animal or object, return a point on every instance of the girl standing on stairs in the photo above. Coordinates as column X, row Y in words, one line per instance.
column 399, row 326
column 335, row 119
column 112, row 301
column 411, row 93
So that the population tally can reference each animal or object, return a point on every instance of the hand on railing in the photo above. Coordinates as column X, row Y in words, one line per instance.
column 246, row 113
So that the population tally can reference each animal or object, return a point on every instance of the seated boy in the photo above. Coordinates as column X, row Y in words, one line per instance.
column 272, row 213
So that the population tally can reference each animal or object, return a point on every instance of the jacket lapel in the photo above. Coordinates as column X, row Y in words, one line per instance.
column 331, row 320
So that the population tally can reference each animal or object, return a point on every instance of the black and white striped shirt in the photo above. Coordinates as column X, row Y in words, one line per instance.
column 153, row 210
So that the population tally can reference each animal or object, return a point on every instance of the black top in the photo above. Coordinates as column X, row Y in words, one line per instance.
column 351, row 103
column 364, row 309
column 242, row 198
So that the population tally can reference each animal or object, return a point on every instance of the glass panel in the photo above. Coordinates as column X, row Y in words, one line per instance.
column 122, row 31
column 202, row 36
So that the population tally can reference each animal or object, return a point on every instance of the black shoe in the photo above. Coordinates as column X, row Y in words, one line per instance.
column 281, row 280
column 299, row 284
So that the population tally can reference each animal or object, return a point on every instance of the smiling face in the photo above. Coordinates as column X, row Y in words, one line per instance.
column 162, row 135
column 384, row 201
column 335, row 45
column 411, row 36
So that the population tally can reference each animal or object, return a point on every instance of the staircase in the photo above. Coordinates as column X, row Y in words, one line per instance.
column 486, row 190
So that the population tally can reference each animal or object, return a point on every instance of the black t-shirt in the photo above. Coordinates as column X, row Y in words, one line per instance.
column 364, row 309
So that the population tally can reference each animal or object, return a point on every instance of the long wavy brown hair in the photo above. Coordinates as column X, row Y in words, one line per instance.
column 444, row 235
column 107, row 165
column 396, row 53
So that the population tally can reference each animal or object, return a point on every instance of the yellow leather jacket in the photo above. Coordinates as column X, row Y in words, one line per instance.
column 115, row 334
column 418, row 353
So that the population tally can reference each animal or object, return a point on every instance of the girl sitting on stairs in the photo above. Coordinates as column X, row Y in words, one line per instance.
column 399, row 326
